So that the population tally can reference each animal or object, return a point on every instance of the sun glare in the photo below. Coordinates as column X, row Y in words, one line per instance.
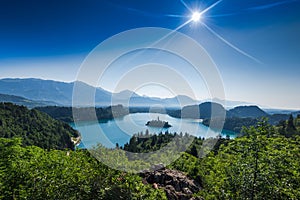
column 196, row 16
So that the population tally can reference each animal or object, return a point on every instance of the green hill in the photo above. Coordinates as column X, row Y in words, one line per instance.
column 66, row 113
column 23, row 101
column 34, row 127
column 204, row 110
column 246, row 111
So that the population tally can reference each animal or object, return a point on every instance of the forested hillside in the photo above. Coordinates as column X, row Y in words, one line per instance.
column 21, row 101
column 66, row 114
column 262, row 164
column 246, row 112
column 34, row 127
column 33, row 173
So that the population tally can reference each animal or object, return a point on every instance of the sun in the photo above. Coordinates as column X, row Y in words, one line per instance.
column 196, row 16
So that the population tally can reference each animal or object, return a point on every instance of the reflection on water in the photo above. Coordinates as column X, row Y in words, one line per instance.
column 120, row 130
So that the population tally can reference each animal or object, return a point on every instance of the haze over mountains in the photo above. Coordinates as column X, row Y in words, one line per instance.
column 61, row 93
column 37, row 92
column 40, row 93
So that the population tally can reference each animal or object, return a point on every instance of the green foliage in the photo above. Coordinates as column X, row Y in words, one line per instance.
column 23, row 101
column 141, row 143
column 288, row 128
column 234, row 124
column 261, row 164
column 190, row 165
column 290, row 124
column 59, row 113
column 34, row 127
column 66, row 113
column 144, row 151
column 33, row 173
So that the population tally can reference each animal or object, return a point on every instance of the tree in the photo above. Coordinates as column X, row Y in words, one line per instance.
column 154, row 140
column 34, row 127
column 194, row 151
column 261, row 164
column 147, row 133
column 290, row 124
column 34, row 173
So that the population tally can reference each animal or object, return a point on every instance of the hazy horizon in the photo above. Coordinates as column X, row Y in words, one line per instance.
column 224, row 102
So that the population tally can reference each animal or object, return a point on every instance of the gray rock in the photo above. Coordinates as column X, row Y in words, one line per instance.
column 157, row 167
column 175, row 183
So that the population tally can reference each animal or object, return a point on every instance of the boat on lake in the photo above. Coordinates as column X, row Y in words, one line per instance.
column 158, row 123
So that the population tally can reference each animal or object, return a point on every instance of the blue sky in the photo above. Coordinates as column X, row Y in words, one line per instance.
column 49, row 39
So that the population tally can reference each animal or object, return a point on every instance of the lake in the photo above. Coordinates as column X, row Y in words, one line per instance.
column 120, row 130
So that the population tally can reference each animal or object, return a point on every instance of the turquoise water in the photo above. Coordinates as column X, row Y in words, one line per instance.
column 120, row 130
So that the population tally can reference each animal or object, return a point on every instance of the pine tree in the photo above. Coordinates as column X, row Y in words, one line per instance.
column 194, row 151
column 290, row 129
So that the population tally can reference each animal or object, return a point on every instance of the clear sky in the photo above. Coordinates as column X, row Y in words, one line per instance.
column 254, row 43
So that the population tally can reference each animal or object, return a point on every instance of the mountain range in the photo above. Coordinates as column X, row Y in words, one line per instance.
column 60, row 93
column 37, row 92
column 48, row 94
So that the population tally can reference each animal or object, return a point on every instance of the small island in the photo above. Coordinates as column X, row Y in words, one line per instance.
column 158, row 123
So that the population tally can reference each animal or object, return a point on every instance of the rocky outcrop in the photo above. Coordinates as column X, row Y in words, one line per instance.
column 175, row 183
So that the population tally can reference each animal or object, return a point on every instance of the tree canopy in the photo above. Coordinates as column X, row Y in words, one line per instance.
column 34, row 127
